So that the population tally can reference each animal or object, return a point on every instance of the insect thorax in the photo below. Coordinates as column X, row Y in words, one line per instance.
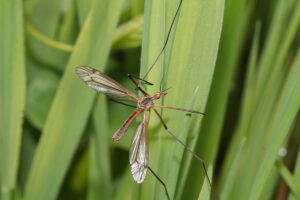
column 145, row 103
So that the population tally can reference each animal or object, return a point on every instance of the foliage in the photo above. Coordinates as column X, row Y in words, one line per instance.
column 236, row 60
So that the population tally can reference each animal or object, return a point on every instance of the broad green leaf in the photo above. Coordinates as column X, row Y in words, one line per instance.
column 187, row 66
column 232, row 36
column 72, row 104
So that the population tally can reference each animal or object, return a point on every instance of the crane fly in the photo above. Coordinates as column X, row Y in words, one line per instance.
column 138, row 154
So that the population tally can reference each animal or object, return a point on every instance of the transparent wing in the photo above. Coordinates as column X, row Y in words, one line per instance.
column 102, row 83
column 139, row 155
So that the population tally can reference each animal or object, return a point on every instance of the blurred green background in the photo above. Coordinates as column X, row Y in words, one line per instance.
column 236, row 60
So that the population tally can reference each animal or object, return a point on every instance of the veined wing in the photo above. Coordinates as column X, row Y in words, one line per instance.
column 102, row 83
column 139, row 155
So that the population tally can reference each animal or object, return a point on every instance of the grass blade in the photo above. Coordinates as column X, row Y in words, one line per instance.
column 289, row 179
column 100, row 185
column 296, row 172
column 229, row 182
column 44, row 16
column 206, row 189
column 233, row 33
column 12, row 93
column 60, row 135
column 188, row 61
column 286, row 110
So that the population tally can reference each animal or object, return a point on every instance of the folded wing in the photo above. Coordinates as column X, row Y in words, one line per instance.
column 102, row 83
column 139, row 155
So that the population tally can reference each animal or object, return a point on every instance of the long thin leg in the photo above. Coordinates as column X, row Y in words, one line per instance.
column 118, row 134
column 165, row 44
column 127, row 100
column 137, row 86
column 181, row 109
column 119, row 102
column 140, row 79
column 157, row 177
column 184, row 145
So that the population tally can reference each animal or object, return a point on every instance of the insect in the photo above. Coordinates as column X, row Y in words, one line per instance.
column 138, row 155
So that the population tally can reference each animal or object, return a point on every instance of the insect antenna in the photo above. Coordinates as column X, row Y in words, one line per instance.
column 164, row 185
column 184, row 145
column 164, row 46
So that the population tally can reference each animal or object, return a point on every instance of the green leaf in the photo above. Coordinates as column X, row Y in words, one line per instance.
column 285, row 111
column 187, row 66
column 44, row 17
column 247, row 87
column 232, row 40
column 100, row 185
column 229, row 182
column 269, row 109
column 41, row 90
column 12, row 93
column 206, row 188
column 289, row 179
column 296, row 171
column 61, row 133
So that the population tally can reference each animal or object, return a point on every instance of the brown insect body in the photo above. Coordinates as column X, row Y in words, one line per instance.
column 146, row 103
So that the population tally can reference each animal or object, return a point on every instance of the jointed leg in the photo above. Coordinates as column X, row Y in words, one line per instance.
column 157, row 177
column 137, row 86
column 183, row 144
column 127, row 100
column 181, row 109
column 119, row 102
column 142, row 80
column 165, row 44
column 118, row 134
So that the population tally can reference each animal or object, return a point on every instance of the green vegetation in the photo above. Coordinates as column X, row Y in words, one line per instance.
column 236, row 60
